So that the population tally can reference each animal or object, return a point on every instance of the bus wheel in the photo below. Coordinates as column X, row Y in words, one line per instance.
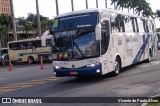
column 117, row 66
column 31, row 59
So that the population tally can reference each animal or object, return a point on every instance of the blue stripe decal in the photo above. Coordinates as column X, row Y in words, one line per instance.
column 141, row 51
column 21, row 54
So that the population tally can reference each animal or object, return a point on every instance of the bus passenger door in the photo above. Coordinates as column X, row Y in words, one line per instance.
column 105, row 48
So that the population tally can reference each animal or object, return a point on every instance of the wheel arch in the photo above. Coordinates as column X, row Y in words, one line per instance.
column 117, row 56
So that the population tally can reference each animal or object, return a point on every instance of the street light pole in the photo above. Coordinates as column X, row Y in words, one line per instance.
column 38, row 19
column 57, row 9
column 72, row 5
column 86, row 4
column 106, row 3
column 13, row 20
column 96, row 3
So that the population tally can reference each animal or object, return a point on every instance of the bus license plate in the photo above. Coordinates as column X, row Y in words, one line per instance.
column 74, row 73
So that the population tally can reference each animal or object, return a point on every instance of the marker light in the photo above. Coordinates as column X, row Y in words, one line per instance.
column 98, row 70
column 92, row 65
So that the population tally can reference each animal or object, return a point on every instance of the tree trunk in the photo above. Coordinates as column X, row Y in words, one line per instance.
column 13, row 20
column 38, row 19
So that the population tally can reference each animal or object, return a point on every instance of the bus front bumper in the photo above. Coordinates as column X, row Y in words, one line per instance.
column 87, row 71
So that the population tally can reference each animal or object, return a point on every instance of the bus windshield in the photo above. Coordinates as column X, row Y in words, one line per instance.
column 77, row 44
column 76, row 21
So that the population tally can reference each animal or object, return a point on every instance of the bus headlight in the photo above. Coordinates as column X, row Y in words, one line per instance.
column 92, row 65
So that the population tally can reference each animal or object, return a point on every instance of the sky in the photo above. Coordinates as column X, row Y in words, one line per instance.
column 47, row 7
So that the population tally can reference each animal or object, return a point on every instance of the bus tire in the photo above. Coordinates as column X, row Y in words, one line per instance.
column 117, row 66
column 31, row 59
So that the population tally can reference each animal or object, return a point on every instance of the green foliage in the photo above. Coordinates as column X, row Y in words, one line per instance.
column 6, row 20
column 30, row 23
column 157, row 14
column 140, row 6
column 3, row 35
column 3, row 30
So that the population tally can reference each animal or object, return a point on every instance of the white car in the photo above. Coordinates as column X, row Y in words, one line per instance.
column 4, row 53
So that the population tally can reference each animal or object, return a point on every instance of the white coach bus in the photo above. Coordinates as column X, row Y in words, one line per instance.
column 94, row 42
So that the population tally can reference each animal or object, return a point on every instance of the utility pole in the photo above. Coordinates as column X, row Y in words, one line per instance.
column 72, row 4
column 86, row 4
column 96, row 3
column 13, row 20
column 38, row 19
column 57, row 8
column 106, row 3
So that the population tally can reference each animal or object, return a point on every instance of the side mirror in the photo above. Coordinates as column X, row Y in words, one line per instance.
column 98, row 31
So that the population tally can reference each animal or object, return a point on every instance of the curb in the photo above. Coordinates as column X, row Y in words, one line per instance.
column 144, row 104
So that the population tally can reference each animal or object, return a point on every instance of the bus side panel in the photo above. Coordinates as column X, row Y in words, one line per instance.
column 143, row 51
column 107, row 60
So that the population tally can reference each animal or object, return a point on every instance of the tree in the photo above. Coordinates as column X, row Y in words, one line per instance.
column 143, row 7
column 133, row 4
column 140, row 6
column 6, row 20
column 157, row 14
column 3, row 35
column 113, row 2
column 27, row 28
column 20, row 23
column 30, row 23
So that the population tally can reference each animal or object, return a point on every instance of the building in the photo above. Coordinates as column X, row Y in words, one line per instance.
column 5, row 7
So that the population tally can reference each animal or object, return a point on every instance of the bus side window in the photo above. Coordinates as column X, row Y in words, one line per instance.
column 133, row 24
column 128, row 24
column 136, row 23
column 150, row 26
column 36, row 44
column 140, row 25
column 48, row 42
column 29, row 45
column 145, row 25
column 117, row 23
column 153, row 26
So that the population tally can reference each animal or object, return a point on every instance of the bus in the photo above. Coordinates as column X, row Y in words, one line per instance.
column 94, row 42
column 30, row 49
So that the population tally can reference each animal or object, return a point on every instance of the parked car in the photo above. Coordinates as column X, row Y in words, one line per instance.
column 4, row 54
column 158, row 42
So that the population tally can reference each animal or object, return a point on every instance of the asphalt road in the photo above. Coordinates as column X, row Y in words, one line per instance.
column 141, row 80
